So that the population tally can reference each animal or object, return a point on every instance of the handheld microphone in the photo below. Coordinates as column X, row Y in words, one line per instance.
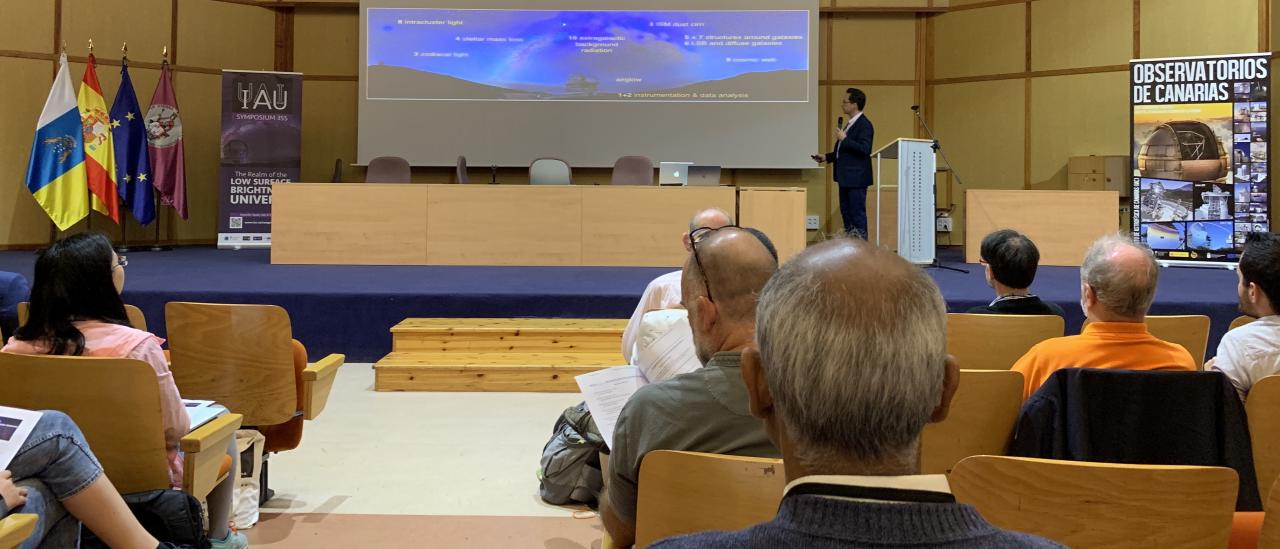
column 840, row 123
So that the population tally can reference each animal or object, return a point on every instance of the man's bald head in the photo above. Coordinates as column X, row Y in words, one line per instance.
column 735, row 265
column 710, row 217
column 852, row 340
column 1123, row 276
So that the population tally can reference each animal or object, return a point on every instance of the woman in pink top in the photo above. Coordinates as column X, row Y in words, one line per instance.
column 76, row 310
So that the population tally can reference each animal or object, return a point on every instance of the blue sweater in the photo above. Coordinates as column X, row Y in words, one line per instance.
column 815, row 522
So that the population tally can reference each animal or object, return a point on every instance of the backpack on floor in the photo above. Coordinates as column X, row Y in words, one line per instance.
column 571, row 460
column 171, row 516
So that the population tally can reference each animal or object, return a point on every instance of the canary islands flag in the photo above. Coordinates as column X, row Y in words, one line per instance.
column 55, row 173
column 99, row 153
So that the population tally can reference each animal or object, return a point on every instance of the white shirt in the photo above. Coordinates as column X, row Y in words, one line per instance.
column 846, row 130
column 1249, row 353
column 661, row 293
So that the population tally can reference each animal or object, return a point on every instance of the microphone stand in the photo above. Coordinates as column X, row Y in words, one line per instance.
column 937, row 148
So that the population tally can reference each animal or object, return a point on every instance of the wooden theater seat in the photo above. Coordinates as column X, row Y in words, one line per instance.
column 116, row 403
column 244, row 357
column 996, row 342
column 1083, row 504
column 980, row 420
column 15, row 529
column 686, row 492
column 1189, row 331
column 1262, row 408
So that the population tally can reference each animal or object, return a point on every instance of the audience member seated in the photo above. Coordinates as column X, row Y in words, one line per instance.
column 56, row 477
column 1117, row 284
column 76, row 310
column 13, row 290
column 850, row 366
column 664, row 292
column 1010, row 259
column 704, row 410
column 1251, row 352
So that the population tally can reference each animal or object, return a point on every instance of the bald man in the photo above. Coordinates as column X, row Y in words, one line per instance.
column 1117, row 285
column 705, row 410
column 664, row 292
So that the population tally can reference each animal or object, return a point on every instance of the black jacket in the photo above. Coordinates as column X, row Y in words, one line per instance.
column 853, row 164
column 1030, row 305
column 1152, row 418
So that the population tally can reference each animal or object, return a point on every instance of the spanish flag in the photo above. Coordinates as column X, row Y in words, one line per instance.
column 99, row 153
column 55, row 173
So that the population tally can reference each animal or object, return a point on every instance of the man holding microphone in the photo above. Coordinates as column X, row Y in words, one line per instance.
column 852, row 161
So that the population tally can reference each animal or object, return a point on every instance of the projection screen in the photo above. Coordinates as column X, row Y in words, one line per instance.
column 721, row 82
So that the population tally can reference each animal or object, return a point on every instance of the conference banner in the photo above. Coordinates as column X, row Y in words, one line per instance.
column 1200, row 137
column 261, row 145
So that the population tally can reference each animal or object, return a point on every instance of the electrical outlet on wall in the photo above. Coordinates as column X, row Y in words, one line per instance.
column 944, row 222
column 811, row 222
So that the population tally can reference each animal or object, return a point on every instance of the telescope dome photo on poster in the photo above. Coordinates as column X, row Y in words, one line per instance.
column 1186, row 142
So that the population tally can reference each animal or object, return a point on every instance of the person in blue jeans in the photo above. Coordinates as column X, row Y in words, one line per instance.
column 55, row 476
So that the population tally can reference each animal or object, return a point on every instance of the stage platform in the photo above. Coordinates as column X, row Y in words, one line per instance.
column 351, row 309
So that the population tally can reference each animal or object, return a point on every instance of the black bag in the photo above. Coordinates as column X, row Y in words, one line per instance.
column 171, row 516
column 571, row 460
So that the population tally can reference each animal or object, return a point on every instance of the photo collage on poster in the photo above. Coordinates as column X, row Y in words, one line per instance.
column 1200, row 174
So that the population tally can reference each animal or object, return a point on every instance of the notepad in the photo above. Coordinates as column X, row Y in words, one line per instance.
column 15, row 426
column 202, row 411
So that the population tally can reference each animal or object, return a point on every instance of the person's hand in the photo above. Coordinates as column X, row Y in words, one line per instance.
column 818, row 158
column 13, row 495
column 840, row 134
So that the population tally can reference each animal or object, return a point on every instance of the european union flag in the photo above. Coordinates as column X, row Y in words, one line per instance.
column 129, row 132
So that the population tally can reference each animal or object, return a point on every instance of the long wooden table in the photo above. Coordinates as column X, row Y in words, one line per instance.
column 570, row 225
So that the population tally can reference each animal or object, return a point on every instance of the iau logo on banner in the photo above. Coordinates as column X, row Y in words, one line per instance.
column 256, row 96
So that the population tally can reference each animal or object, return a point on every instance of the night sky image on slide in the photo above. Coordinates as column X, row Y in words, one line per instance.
column 536, row 55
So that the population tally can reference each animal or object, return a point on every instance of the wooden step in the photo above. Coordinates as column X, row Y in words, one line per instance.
column 501, row 372
column 506, row 335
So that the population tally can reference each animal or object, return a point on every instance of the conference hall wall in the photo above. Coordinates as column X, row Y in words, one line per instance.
column 214, row 34
column 1017, row 87
column 204, row 36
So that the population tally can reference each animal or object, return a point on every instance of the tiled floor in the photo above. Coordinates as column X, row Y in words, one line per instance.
column 420, row 470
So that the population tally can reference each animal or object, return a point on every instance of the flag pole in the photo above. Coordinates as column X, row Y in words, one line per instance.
column 87, row 190
column 124, row 220
column 157, row 247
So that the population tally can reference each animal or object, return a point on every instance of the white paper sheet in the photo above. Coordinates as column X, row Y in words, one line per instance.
column 670, row 355
column 15, row 426
column 606, row 392
column 202, row 411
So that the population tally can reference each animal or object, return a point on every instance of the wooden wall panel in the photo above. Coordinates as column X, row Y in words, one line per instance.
column 873, row 46
column 1080, row 33
column 200, row 103
column 1074, row 116
column 144, row 24
column 980, row 41
column 326, row 42
column 1194, row 27
column 22, row 93
column 328, row 130
column 26, row 25
column 981, row 127
column 222, row 35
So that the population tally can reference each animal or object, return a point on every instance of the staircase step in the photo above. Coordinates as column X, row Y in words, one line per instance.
column 501, row 372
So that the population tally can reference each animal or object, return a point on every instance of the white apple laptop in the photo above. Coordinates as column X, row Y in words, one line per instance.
column 674, row 173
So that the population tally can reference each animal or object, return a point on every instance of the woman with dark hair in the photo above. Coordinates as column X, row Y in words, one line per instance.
column 76, row 310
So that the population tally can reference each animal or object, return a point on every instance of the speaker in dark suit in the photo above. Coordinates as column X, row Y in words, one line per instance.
column 851, row 158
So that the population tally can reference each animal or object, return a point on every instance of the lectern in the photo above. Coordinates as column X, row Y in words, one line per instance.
column 916, row 167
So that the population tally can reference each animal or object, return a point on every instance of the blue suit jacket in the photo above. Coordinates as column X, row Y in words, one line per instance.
column 853, row 164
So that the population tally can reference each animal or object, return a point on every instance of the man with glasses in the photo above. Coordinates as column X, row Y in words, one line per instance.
column 704, row 410
column 1010, row 260
column 852, row 161
column 664, row 292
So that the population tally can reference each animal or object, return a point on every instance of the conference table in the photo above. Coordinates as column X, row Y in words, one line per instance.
column 529, row 225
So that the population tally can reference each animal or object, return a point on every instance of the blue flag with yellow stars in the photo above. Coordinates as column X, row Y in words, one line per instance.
column 129, row 132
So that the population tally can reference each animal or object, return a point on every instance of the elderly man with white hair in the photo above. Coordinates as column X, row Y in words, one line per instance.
column 1117, row 285
column 851, row 364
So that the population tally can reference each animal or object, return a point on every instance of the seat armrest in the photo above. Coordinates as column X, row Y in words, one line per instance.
column 15, row 529
column 204, row 450
column 317, row 381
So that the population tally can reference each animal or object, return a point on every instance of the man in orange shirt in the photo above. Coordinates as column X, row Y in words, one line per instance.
column 1117, row 284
